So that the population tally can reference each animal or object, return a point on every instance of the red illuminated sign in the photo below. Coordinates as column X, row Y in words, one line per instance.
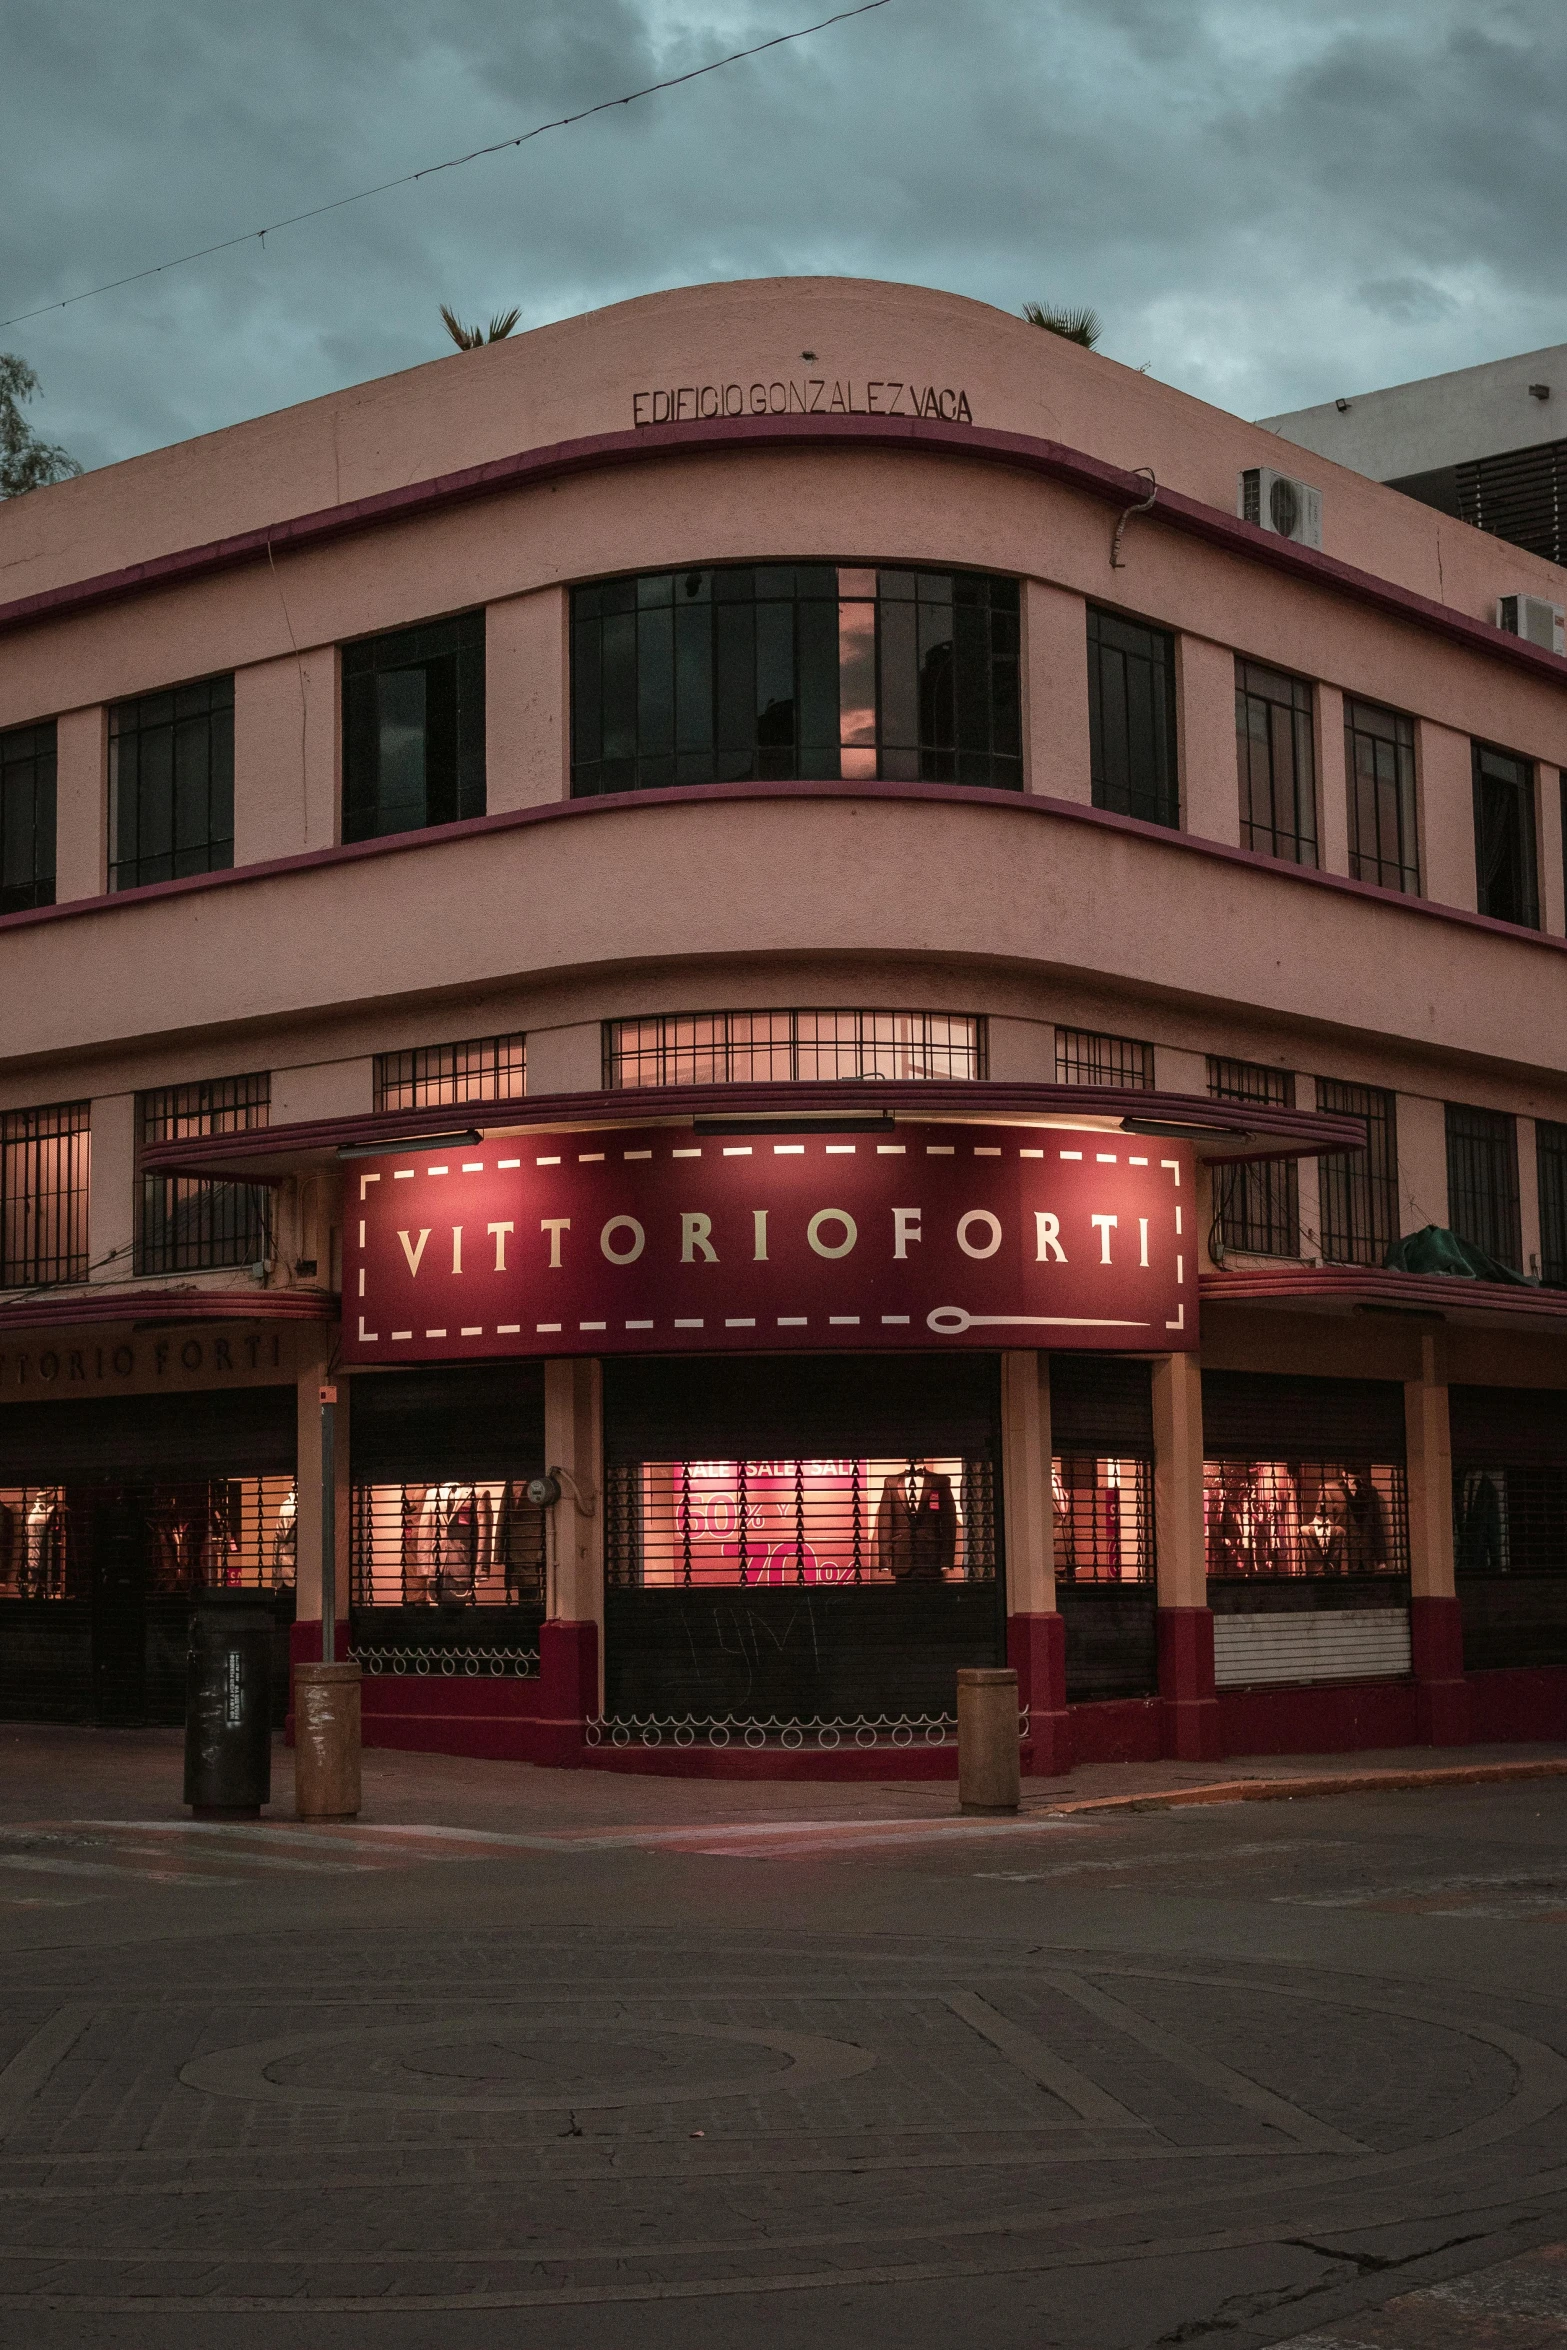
column 661, row 1240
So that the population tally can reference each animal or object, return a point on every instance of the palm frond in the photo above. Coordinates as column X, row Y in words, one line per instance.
column 502, row 323
column 467, row 338
column 1078, row 324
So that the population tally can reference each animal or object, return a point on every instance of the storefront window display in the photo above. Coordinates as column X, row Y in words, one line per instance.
column 453, row 1543
column 228, row 1533
column 1305, row 1518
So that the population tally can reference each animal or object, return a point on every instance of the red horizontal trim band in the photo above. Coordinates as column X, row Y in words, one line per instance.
column 1353, row 1285
column 1289, row 1133
column 1036, row 804
column 57, row 1310
column 598, row 452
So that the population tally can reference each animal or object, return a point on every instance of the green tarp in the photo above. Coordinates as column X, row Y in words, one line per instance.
column 1436, row 1250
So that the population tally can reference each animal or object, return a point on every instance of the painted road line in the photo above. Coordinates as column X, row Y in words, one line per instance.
column 1041, row 2065
column 30, row 2068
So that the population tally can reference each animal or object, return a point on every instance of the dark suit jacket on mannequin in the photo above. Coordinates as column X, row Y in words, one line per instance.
column 918, row 1544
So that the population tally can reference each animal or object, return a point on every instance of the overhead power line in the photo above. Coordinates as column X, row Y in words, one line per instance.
column 452, row 163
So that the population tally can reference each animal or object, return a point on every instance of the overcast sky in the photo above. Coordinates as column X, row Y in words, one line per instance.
column 1269, row 202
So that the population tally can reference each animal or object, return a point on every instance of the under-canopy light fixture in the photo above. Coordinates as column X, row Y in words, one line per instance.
column 1173, row 1132
column 407, row 1142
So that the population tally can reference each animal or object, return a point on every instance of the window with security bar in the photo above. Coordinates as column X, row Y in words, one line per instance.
column 1509, row 1520
column 171, row 784
column 1256, row 1204
column 44, row 1157
column 1102, row 1519
column 484, row 1069
column 173, row 1536
column 1359, row 1189
column 781, row 1523
column 189, row 1224
column 780, row 670
column 27, row 817
column 1281, row 1518
column 1379, row 750
column 1482, row 1181
column 740, row 1048
column 458, row 1543
column 1278, row 766
column 1084, row 1057
column 1550, row 1142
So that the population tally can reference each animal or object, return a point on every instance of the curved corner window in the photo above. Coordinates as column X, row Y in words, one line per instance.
column 750, row 1048
column 778, row 671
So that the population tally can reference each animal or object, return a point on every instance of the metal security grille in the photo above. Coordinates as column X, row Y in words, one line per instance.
column 719, row 1048
column 1273, row 728
column 1521, row 496
column 1305, row 1518
column 1550, row 1142
column 171, row 784
column 27, row 818
column 1084, row 1057
column 189, row 1224
column 1506, row 877
column 1131, row 718
column 1360, row 1188
column 782, row 670
column 1510, row 1520
column 156, row 1537
column 1256, row 1206
column 1103, row 1516
column 1379, row 750
column 484, row 1069
column 779, row 1523
column 1482, row 1181
column 460, row 1543
column 43, row 1194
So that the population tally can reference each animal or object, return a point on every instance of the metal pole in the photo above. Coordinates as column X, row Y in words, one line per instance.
column 328, row 1525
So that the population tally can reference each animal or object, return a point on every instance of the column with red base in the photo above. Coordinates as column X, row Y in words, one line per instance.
column 1036, row 1635
column 1189, row 1709
column 1436, row 1629
column 571, row 1644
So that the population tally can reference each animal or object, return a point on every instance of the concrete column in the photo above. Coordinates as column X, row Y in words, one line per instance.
column 1447, row 826
column 1205, row 717
column 1055, row 693
column 1436, row 1632
column 1023, row 1051
column 1036, row 1635
column 1332, row 783
column 1190, row 1711
column 81, row 849
column 1552, row 843
column 1422, row 1162
column 1308, row 1179
column 111, row 1187
column 1180, row 1072
column 286, row 756
column 1530, row 1243
column 314, row 1357
column 571, row 1671
column 527, row 700
column 566, row 1060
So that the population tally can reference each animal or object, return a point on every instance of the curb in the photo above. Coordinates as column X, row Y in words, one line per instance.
column 1289, row 1790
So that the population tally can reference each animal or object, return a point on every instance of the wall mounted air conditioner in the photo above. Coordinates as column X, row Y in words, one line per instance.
column 1275, row 501
column 1532, row 618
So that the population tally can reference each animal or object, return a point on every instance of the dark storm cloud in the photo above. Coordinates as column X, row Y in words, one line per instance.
column 1269, row 201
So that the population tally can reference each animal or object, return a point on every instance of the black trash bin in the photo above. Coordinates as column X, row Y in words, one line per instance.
column 228, row 1704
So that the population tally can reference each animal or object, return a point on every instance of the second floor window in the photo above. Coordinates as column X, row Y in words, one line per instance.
column 1482, row 1181
column 484, row 1069
column 1551, row 1149
column 1084, row 1057
column 26, row 818
column 1359, row 1189
column 1278, row 763
column 44, row 1158
column 1257, row 1204
column 1379, row 748
column 1505, row 886
column 171, row 784
column 795, row 670
column 413, row 728
column 1131, row 718
column 759, row 1048
column 188, row 1224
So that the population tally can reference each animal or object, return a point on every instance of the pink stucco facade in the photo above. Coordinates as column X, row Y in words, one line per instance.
column 862, row 425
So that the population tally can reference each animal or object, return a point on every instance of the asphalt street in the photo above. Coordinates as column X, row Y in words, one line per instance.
column 570, row 2061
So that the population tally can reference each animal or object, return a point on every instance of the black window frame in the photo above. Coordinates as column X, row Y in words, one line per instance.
column 1507, row 885
column 1089, row 1056
column 430, row 1076
column 447, row 655
column 678, row 678
column 28, row 817
column 1550, row 1152
column 1382, row 786
column 1358, row 1197
column 1486, row 1214
column 171, row 783
column 194, row 1224
column 740, row 1048
column 1256, row 1204
column 1265, row 699
column 53, row 1231
column 1133, row 757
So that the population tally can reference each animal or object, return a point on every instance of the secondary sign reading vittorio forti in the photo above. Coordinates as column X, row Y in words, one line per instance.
column 661, row 1240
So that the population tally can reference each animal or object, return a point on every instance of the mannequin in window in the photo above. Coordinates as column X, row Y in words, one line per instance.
column 285, row 1540
column 455, row 1542
column 917, row 1525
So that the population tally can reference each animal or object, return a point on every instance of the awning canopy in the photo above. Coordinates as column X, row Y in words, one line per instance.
column 1218, row 1130
column 76, row 1309
column 1350, row 1289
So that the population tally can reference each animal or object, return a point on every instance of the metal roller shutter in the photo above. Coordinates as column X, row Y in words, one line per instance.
column 247, row 1432
column 1101, row 1405
column 433, row 1426
column 1516, row 1427
column 793, row 1405
column 1261, row 1416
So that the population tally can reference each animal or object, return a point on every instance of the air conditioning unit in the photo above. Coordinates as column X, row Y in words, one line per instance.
column 1275, row 501
column 1532, row 618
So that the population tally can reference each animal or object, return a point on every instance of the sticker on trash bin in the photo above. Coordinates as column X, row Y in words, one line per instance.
column 234, row 1692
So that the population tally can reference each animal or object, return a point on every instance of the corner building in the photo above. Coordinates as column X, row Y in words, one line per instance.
column 769, row 901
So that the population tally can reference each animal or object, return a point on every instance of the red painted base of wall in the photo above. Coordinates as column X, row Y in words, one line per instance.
column 1331, row 1720
column 1118, row 1730
column 1518, row 1705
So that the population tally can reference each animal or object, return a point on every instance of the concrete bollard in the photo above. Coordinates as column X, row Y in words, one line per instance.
column 989, row 1772
column 326, row 1741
